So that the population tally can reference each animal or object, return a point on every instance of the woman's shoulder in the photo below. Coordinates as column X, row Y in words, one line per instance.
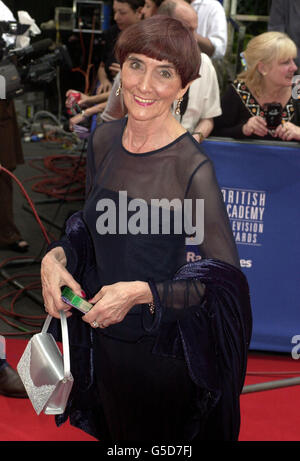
column 191, row 154
column 240, row 87
column 241, row 93
column 106, row 131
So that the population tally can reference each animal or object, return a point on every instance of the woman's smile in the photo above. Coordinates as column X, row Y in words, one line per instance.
column 143, row 102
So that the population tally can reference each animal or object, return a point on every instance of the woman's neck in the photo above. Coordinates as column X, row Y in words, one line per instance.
column 145, row 136
column 274, row 94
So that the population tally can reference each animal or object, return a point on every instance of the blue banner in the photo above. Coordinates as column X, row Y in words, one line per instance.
column 261, row 190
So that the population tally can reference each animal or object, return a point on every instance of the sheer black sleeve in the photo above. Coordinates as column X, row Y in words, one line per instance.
column 218, row 242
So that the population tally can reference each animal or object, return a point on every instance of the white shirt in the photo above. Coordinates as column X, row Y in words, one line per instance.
column 204, row 97
column 212, row 24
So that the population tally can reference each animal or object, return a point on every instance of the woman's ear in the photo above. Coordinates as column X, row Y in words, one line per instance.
column 262, row 68
column 182, row 92
column 139, row 11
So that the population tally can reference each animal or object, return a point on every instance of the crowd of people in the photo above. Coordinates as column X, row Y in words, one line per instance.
column 205, row 111
column 162, row 353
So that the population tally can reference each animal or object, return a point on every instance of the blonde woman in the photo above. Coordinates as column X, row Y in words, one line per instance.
column 268, row 78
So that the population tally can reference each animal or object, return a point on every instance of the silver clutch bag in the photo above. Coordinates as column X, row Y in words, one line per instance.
column 45, row 372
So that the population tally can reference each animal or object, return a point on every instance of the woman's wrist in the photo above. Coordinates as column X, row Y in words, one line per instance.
column 246, row 130
column 141, row 292
column 84, row 113
column 58, row 254
column 297, row 134
column 200, row 136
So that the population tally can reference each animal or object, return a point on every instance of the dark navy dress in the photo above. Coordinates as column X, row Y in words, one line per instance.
column 146, row 396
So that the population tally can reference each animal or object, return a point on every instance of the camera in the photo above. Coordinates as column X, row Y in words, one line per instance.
column 33, row 64
column 273, row 114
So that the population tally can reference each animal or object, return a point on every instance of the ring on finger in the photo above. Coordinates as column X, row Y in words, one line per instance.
column 95, row 324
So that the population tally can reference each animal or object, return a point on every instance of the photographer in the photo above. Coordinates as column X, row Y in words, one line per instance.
column 10, row 156
column 259, row 104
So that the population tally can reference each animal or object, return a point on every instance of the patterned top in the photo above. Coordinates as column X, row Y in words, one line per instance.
column 253, row 106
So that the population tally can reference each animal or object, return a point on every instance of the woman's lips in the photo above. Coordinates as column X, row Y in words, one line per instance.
column 143, row 101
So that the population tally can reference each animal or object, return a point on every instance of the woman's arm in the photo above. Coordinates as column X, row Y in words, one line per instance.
column 54, row 275
column 105, row 84
column 234, row 116
column 218, row 242
column 203, row 129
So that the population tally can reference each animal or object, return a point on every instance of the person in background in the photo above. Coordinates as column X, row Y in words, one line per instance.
column 161, row 356
column 150, row 8
column 285, row 17
column 268, row 78
column 10, row 382
column 11, row 154
column 212, row 27
column 125, row 13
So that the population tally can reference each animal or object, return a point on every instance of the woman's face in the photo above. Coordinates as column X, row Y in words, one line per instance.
column 124, row 15
column 280, row 72
column 149, row 9
column 149, row 86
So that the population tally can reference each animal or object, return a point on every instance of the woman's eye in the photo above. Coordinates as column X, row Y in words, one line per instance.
column 166, row 74
column 135, row 65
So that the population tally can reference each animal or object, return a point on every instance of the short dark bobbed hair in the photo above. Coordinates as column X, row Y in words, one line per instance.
column 163, row 38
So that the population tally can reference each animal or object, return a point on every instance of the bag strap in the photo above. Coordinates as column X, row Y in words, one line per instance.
column 65, row 341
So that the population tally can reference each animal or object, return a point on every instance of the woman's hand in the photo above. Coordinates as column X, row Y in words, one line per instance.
column 75, row 120
column 113, row 302
column 54, row 275
column 104, row 86
column 69, row 104
column 288, row 132
column 255, row 125
column 114, row 68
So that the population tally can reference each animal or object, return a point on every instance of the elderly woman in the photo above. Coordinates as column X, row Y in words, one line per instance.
column 162, row 353
column 268, row 78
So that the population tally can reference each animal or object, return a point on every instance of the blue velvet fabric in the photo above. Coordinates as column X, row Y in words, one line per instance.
column 3, row 363
column 213, row 337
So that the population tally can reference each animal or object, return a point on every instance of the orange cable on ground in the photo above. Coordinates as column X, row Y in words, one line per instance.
column 32, row 285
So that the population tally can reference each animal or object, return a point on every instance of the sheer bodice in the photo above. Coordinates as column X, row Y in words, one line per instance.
column 201, row 328
column 179, row 172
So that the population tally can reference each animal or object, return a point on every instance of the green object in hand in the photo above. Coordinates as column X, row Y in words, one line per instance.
column 70, row 298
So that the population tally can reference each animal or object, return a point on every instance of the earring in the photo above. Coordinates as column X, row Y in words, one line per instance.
column 119, row 89
column 177, row 110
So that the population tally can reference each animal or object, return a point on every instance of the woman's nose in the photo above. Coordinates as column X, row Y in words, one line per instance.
column 145, row 83
column 294, row 66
